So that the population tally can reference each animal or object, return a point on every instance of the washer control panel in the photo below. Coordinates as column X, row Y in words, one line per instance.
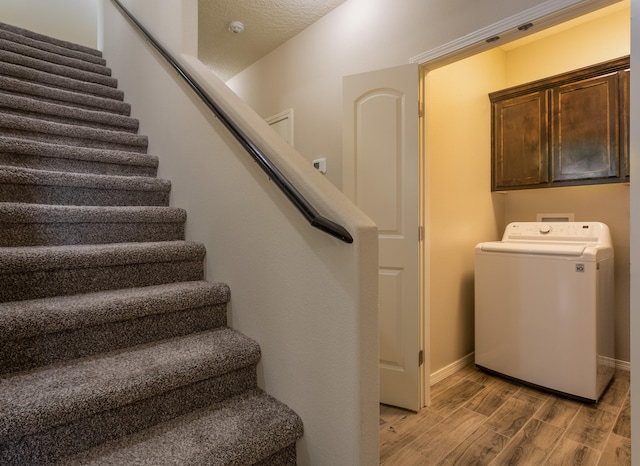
column 575, row 232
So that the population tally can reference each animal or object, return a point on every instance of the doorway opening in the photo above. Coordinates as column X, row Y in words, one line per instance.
column 458, row 208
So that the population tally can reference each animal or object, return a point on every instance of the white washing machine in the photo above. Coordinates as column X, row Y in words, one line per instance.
column 544, row 306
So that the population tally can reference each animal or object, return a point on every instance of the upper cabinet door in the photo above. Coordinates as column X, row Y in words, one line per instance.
column 585, row 117
column 520, row 141
column 569, row 129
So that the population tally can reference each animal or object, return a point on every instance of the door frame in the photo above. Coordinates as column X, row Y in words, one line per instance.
column 543, row 16
column 530, row 21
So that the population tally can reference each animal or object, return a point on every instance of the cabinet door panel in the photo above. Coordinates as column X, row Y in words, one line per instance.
column 624, row 119
column 520, row 141
column 585, row 129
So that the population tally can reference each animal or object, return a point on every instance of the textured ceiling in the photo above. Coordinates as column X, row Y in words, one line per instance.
column 267, row 25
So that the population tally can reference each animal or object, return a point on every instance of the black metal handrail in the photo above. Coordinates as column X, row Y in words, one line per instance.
column 306, row 209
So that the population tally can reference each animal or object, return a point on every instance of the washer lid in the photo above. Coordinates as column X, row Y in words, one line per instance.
column 542, row 248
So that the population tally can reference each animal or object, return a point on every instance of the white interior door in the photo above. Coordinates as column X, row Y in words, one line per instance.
column 282, row 123
column 380, row 175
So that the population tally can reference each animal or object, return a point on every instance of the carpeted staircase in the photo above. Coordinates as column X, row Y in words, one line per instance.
column 114, row 351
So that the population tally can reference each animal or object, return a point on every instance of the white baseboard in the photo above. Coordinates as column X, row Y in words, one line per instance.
column 622, row 365
column 451, row 369
column 454, row 367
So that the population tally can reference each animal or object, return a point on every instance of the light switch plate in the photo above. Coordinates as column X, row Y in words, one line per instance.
column 320, row 165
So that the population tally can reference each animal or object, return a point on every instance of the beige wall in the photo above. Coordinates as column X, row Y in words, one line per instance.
column 585, row 41
column 361, row 35
column 458, row 135
column 461, row 210
column 71, row 20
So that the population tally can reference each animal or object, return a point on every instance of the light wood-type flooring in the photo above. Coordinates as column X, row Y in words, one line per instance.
column 478, row 419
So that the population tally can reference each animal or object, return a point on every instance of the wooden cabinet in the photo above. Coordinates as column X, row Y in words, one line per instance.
column 585, row 133
column 565, row 130
column 521, row 145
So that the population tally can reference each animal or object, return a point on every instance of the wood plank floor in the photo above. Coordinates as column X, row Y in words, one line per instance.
column 479, row 419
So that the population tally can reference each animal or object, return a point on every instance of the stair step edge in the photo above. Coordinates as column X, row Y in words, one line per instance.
column 56, row 69
column 38, row 148
column 37, row 126
column 59, row 233
column 25, row 319
column 30, row 105
column 23, row 213
column 38, row 399
column 63, row 96
column 31, row 176
column 25, row 259
column 36, row 76
column 28, row 225
column 268, row 427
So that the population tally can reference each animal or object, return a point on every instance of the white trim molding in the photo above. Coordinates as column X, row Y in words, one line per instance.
column 451, row 369
column 622, row 365
column 540, row 16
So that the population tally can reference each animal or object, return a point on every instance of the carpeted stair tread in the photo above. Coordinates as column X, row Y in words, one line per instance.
column 21, row 185
column 26, row 224
column 210, row 436
column 51, row 47
column 46, row 271
column 36, row 129
column 20, row 175
column 29, row 259
column 44, row 38
column 24, row 319
column 42, row 213
column 10, row 53
column 28, row 48
column 40, row 333
column 55, row 81
column 45, row 447
column 31, row 154
column 52, row 395
column 62, row 96
column 34, row 108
